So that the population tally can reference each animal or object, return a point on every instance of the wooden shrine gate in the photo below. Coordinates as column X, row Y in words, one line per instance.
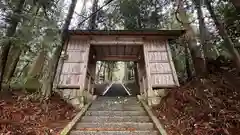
column 150, row 49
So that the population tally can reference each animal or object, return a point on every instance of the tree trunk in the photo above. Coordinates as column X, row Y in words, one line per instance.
column 23, row 71
column 12, row 61
column 82, row 11
column 188, row 68
column 228, row 42
column 11, row 30
column 51, row 73
column 34, row 73
column 92, row 21
column 203, row 32
column 15, row 51
column 198, row 60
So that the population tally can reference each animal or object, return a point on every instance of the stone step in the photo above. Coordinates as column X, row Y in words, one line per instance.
column 76, row 132
column 114, row 98
column 112, row 105
column 83, row 126
column 116, row 103
column 107, row 107
column 116, row 108
column 117, row 99
column 116, row 113
column 115, row 119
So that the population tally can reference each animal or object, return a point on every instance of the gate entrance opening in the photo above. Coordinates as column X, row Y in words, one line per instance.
column 148, row 49
column 111, row 75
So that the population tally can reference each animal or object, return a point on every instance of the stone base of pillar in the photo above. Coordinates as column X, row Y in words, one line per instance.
column 81, row 101
column 155, row 96
column 75, row 97
column 87, row 97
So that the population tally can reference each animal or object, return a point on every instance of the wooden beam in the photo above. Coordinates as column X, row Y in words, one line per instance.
column 132, row 48
column 116, row 49
column 162, row 86
column 116, row 42
column 109, row 50
column 67, row 86
column 117, row 58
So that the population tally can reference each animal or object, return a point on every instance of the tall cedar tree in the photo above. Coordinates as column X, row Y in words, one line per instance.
column 48, row 84
column 14, row 20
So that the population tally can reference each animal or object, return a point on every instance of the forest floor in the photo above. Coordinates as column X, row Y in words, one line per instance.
column 21, row 115
column 206, row 106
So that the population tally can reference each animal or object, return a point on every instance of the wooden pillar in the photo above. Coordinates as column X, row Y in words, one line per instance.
column 93, row 75
column 136, row 74
column 150, row 92
column 144, row 87
column 89, row 84
column 139, row 77
column 85, row 46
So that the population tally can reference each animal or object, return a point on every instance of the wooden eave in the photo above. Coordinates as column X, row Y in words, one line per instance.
column 121, row 45
column 170, row 34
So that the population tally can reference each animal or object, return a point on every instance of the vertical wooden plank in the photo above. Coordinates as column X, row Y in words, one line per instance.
column 92, row 87
column 94, row 76
column 89, row 83
column 144, row 86
column 145, row 50
column 60, row 64
column 174, row 73
column 149, row 90
column 84, row 45
column 139, row 75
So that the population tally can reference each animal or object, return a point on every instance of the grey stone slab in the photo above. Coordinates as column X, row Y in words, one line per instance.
column 75, row 132
column 116, row 108
column 115, row 126
column 115, row 119
column 116, row 113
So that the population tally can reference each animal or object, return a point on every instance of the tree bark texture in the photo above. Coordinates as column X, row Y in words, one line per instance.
column 51, row 73
column 12, row 62
column 187, row 63
column 11, row 30
column 15, row 51
column 92, row 21
column 222, row 31
column 203, row 32
column 190, row 37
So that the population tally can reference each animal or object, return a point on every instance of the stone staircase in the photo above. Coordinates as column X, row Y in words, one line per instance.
column 115, row 116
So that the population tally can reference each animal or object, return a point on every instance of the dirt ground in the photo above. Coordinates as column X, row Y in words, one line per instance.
column 206, row 106
column 21, row 115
